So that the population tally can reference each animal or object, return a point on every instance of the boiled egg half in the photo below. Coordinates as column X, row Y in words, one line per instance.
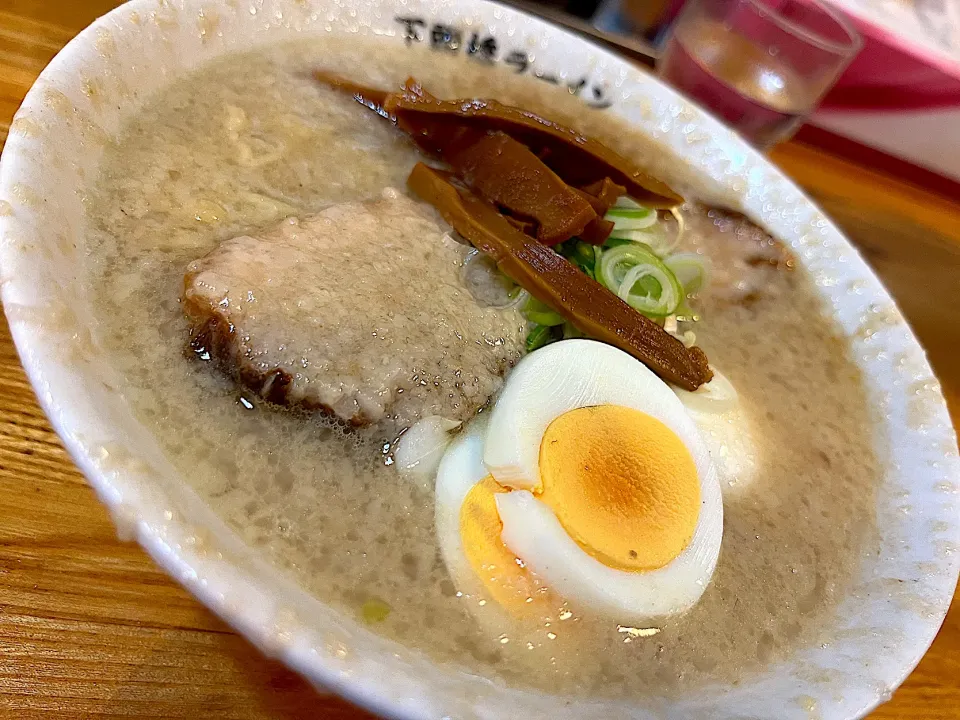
column 588, row 483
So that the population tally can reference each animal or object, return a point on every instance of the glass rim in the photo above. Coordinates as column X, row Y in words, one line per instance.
column 847, row 49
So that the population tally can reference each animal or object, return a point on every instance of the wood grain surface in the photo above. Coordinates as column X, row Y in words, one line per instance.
column 91, row 628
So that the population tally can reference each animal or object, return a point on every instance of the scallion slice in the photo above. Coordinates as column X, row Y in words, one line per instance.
column 656, row 237
column 540, row 314
column 626, row 215
column 691, row 269
column 538, row 337
column 640, row 279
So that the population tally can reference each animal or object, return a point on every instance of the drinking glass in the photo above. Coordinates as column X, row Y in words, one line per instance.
column 760, row 65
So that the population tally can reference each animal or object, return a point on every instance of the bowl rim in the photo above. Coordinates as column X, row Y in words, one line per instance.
column 138, row 510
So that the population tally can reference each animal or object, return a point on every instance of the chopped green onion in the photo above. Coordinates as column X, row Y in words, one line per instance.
column 617, row 260
column 374, row 611
column 681, row 223
column 638, row 224
column 625, row 202
column 518, row 297
column 693, row 272
column 627, row 215
column 660, row 300
column 567, row 247
column 584, row 251
column 580, row 254
column 691, row 269
column 538, row 337
column 540, row 314
column 657, row 237
column 632, row 235
column 570, row 331
column 547, row 319
column 613, row 242
column 662, row 240
column 584, row 257
column 641, row 279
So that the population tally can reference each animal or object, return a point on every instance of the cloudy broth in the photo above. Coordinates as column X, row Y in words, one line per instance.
column 224, row 152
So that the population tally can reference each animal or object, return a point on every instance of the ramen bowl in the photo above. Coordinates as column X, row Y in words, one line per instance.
column 882, row 626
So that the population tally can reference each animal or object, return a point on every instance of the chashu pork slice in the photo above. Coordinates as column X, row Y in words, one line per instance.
column 359, row 311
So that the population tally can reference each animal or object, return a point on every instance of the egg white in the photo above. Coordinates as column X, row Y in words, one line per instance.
column 565, row 376
column 460, row 469
column 544, row 385
column 532, row 531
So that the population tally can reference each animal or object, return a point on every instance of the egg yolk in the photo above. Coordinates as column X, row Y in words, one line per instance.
column 622, row 484
column 502, row 574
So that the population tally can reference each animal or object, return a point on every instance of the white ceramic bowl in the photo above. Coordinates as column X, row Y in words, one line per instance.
column 883, row 626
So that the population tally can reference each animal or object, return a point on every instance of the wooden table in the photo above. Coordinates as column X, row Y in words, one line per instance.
column 90, row 627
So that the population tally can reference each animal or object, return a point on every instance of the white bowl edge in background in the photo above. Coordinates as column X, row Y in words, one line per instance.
column 52, row 153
